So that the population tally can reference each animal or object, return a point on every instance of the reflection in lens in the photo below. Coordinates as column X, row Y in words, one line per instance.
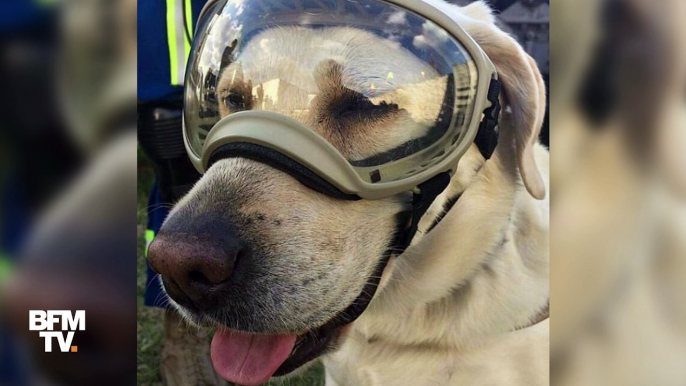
column 389, row 76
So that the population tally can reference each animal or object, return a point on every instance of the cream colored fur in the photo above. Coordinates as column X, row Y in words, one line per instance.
column 448, row 308
column 450, row 305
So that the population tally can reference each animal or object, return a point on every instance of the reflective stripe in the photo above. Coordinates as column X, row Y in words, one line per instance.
column 179, row 45
column 188, row 27
column 6, row 267
column 149, row 236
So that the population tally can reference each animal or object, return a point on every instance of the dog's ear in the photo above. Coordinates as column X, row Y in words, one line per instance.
column 522, row 85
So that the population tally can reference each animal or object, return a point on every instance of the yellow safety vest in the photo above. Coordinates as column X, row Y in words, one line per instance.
column 179, row 35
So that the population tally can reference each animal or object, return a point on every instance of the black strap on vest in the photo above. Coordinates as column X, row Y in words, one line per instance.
column 487, row 137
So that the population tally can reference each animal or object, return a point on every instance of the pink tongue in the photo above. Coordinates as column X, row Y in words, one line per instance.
column 249, row 359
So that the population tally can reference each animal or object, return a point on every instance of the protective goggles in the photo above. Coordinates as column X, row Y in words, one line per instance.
column 356, row 98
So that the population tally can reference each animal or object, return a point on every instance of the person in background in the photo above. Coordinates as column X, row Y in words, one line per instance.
column 165, row 31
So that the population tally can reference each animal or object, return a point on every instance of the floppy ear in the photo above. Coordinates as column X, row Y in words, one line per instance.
column 523, row 91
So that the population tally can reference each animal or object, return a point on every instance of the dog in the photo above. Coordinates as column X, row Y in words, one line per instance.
column 460, row 306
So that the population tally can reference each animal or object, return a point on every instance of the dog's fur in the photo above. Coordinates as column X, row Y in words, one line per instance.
column 449, row 308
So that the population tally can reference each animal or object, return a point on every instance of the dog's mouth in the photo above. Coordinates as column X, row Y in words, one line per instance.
column 251, row 359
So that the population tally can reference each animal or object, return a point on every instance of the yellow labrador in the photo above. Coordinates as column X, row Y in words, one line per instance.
column 456, row 308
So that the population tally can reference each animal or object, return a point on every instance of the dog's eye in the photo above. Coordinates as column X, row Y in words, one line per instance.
column 357, row 106
column 236, row 100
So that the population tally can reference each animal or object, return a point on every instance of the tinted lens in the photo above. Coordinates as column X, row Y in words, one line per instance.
column 389, row 89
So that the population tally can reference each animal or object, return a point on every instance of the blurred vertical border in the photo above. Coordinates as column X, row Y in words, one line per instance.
column 67, row 186
column 618, row 189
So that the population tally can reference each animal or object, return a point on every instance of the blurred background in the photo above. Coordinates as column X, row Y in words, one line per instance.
column 618, row 177
column 68, row 187
column 69, row 108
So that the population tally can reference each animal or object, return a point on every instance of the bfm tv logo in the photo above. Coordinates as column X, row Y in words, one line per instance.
column 46, row 320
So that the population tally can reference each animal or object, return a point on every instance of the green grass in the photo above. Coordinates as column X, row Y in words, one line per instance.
column 150, row 320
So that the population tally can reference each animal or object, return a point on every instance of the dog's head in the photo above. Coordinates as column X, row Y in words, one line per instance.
column 253, row 250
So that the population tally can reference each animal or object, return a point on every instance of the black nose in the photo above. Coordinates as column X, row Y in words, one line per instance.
column 196, row 261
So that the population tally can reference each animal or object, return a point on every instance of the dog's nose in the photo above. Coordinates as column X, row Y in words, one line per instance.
column 195, row 266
